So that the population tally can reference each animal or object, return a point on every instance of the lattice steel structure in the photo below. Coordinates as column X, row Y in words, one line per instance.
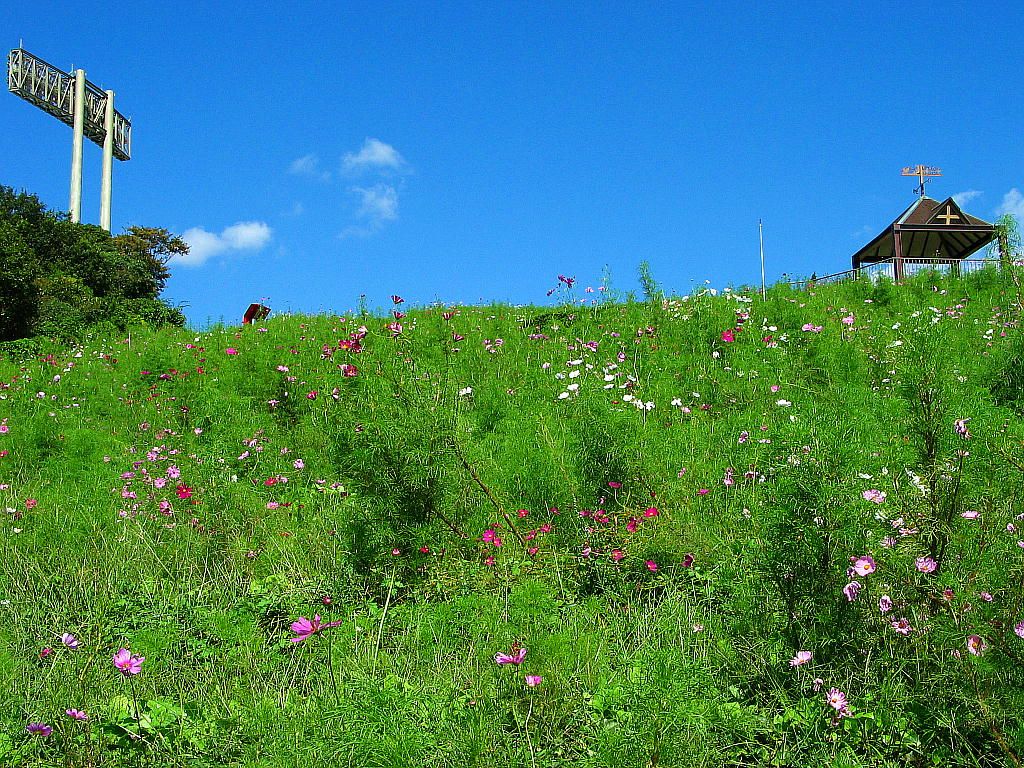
column 76, row 102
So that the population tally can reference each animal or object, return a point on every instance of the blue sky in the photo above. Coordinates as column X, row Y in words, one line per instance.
column 472, row 152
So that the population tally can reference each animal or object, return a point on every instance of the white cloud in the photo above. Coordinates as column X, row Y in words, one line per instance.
column 308, row 165
column 1013, row 202
column 377, row 203
column 963, row 198
column 374, row 155
column 202, row 245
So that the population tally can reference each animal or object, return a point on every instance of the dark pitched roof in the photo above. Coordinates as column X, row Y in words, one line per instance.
column 928, row 229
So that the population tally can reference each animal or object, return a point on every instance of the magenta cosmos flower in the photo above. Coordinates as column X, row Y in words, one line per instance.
column 851, row 590
column 304, row 628
column 127, row 663
column 39, row 729
column 533, row 680
column 516, row 657
column 76, row 714
column 1019, row 629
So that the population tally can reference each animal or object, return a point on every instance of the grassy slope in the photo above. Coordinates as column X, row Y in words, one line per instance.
column 677, row 666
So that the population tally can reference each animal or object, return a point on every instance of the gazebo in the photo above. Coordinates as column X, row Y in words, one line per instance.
column 929, row 234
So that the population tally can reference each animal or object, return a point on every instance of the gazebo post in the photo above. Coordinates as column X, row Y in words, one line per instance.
column 897, row 265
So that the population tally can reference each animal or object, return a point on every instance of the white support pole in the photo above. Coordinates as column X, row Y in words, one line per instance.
column 760, row 235
column 75, row 205
column 108, row 161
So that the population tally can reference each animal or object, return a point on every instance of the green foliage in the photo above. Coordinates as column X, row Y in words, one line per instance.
column 57, row 278
column 663, row 515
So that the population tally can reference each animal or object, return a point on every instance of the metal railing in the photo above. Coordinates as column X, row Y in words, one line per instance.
column 894, row 269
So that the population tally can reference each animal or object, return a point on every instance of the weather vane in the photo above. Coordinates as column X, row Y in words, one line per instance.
column 923, row 172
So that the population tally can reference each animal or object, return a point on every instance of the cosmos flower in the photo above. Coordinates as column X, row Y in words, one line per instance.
column 39, row 729
column 305, row 628
column 836, row 699
column 127, row 663
column 976, row 645
column 864, row 565
column 533, row 680
column 516, row 657
column 926, row 564
column 902, row 626
column 801, row 658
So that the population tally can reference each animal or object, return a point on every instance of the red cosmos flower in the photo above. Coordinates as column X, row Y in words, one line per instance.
column 184, row 492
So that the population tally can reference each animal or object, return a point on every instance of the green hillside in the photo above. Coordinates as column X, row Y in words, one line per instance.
column 713, row 530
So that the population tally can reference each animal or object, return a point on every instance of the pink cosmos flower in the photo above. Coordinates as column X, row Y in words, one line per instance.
column 902, row 626
column 76, row 714
column 614, row 485
column 960, row 427
column 70, row 641
column 976, row 645
column 802, row 657
column 970, row 514
column 617, row 554
column 651, row 512
column 516, row 657
column 849, row 320
column 851, row 590
column 816, row 685
column 728, row 336
column 39, row 729
column 864, row 565
column 811, row 328
column 127, row 663
column 1019, row 629
column 874, row 495
column 533, row 680
column 926, row 564
column 651, row 566
column 687, row 560
column 885, row 604
column 837, row 700
column 305, row 628
column 230, row 351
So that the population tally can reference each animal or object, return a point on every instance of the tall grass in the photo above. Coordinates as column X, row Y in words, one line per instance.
column 664, row 502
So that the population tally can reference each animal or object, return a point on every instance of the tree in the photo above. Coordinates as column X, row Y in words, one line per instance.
column 57, row 277
column 1007, row 242
column 146, row 251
